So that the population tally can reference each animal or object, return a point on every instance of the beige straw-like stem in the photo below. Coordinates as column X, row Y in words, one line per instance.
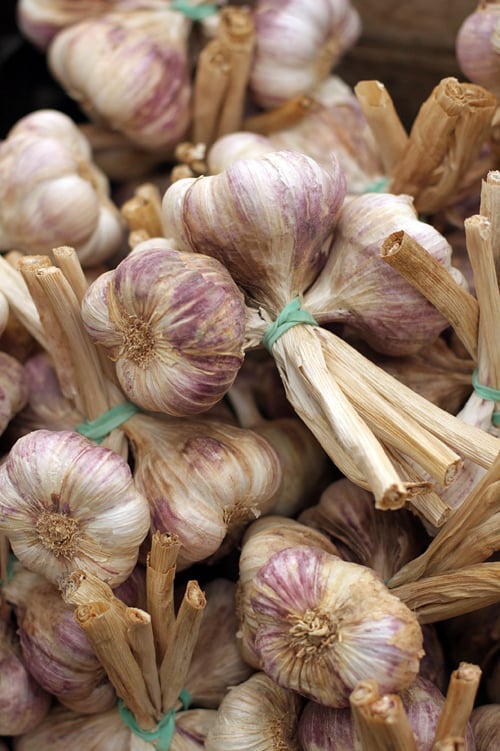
column 106, row 631
column 142, row 212
column 490, row 208
column 387, row 725
column 160, row 574
column 403, row 253
column 66, row 258
column 14, row 288
column 279, row 118
column 177, row 659
column 460, row 697
column 210, row 86
column 82, row 588
column 141, row 641
column 449, row 744
column 443, row 596
column 384, row 122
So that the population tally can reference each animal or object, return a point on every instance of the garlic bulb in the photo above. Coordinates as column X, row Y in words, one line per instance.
column 13, row 388
column 234, row 146
column 148, row 96
column 264, row 537
column 216, row 664
column 485, row 721
column 23, row 703
column 297, row 45
column 4, row 313
column 67, row 504
column 55, row 647
column 204, row 480
column 324, row 625
column 323, row 728
column 52, row 194
column 257, row 715
column 173, row 322
column 364, row 534
column 356, row 288
column 477, row 45
column 269, row 220
column 63, row 729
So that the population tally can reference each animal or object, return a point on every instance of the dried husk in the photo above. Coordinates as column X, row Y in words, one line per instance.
column 216, row 665
column 68, row 503
column 152, row 54
column 23, row 703
column 324, row 624
column 485, row 721
column 363, row 534
column 205, row 480
column 173, row 323
column 13, row 389
column 257, row 714
column 53, row 193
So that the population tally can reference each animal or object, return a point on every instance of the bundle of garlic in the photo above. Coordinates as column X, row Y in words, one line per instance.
column 52, row 192
column 277, row 244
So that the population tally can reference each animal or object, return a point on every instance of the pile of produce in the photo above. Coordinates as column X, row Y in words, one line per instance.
column 249, row 388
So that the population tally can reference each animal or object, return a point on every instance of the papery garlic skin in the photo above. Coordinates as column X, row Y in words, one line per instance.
column 232, row 147
column 23, row 703
column 257, row 715
column 477, row 46
column 357, row 288
column 324, row 625
column 51, row 192
column 485, row 721
column 13, row 388
column 297, row 45
column 268, row 220
column 69, row 504
column 148, row 95
column 173, row 322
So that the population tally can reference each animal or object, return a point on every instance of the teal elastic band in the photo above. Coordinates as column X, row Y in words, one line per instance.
column 291, row 315
column 10, row 568
column 488, row 393
column 194, row 12
column 166, row 727
column 98, row 429
column 379, row 186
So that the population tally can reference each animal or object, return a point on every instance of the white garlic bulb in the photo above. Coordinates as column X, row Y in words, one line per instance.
column 477, row 45
column 13, row 388
column 51, row 192
column 324, row 624
column 173, row 322
column 298, row 44
column 69, row 504
column 257, row 715
column 148, row 95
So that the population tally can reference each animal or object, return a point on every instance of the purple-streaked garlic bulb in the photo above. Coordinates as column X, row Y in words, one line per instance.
column 363, row 534
column 67, row 504
column 63, row 729
column 51, row 192
column 232, row 147
column 297, row 45
column 266, row 536
column 324, row 728
column 41, row 20
column 205, row 480
column 485, row 722
column 324, row 624
column 477, row 45
column 13, row 389
column 23, row 703
column 55, row 647
column 268, row 220
column 356, row 287
column 256, row 715
column 173, row 322
column 130, row 71
column 216, row 665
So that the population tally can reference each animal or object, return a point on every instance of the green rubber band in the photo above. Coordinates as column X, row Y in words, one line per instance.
column 291, row 315
column 98, row 429
column 495, row 418
column 194, row 12
column 164, row 733
column 485, row 392
column 379, row 186
column 10, row 568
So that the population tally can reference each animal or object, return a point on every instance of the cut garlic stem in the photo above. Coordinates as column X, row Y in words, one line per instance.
column 490, row 208
column 13, row 287
column 210, row 87
column 280, row 118
column 299, row 356
column 106, row 631
column 143, row 211
column 384, row 122
column 403, row 253
column 387, row 723
column 66, row 258
column 468, row 441
column 175, row 665
column 389, row 423
column 478, row 235
column 82, row 588
column 160, row 573
column 450, row 744
column 141, row 641
column 459, row 702
column 448, row 595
